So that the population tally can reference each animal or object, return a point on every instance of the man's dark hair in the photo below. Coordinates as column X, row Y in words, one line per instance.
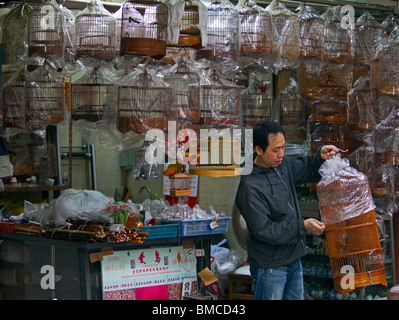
column 261, row 133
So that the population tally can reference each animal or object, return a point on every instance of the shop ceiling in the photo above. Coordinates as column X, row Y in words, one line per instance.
column 374, row 7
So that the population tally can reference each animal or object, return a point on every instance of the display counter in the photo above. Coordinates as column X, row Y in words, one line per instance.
column 41, row 268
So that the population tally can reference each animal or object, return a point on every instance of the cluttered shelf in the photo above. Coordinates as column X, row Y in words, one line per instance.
column 35, row 188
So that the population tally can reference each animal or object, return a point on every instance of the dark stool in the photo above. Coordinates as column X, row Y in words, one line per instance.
column 247, row 281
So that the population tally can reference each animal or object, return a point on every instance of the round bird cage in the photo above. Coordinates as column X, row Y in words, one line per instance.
column 220, row 101
column 329, row 135
column 144, row 28
column 14, row 101
column 255, row 30
column 337, row 41
column 311, row 27
column 186, row 92
column 367, row 34
column 45, row 103
column 45, row 30
column 352, row 237
column 95, row 32
column 144, row 103
column 222, row 32
column 384, row 77
column 89, row 96
column 286, row 41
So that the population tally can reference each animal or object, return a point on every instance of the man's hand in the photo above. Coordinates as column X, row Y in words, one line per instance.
column 314, row 226
column 328, row 151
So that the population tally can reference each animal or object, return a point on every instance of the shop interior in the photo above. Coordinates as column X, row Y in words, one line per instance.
column 101, row 101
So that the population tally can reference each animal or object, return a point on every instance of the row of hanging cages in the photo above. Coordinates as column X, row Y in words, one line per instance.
column 216, row 30
column 33, row 101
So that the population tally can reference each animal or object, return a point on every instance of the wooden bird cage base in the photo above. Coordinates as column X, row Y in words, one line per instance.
column 338, row 120
column 94, row 53
column 90, row 117
column 42, row 48
column 215, row 54
column 143, row 46
column 194, row 42
column 388, row 90
column 361, row 126
column 180, row 193
column 391, row 158
column 216, row 171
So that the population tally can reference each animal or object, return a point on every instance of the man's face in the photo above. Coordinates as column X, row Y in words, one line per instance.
column 274, row 153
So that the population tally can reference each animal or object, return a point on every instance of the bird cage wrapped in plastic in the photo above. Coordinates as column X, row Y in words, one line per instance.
column 327, row 134
column 13, row 103
column 187, row 23
column 329, row 101
column 255, row 29
column 353, row 242
column 89, row 96
column 290, row 111
column 366, row 35
column 144, row 102
column 311, row 32
column 14, row 33
column 95, row 32
column 337, row 40
column 185, row 84
column 286, row 41
column 45, row 103
column 220, row 101
column 45, row 30
column 383, row 76
column 362, row 107
column 144, row 28
column 222, row 32
column 386, row 140
column 257, row 99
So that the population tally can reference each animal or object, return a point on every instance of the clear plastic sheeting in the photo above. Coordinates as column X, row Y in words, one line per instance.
column 343, row 192
column 95, row 32
column 386, row 140
column 286, row 39
column 337, row 40
column 311, row 32
column 222, row 32
column 256, row 30
column 367, row 34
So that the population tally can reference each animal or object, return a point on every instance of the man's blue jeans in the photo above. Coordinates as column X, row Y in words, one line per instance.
column 282, row 283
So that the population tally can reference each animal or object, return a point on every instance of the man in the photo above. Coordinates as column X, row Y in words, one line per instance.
column 268, row 202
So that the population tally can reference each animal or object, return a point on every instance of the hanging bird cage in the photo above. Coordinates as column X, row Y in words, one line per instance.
column 311, row 27
column 217, row 157
column 257, row 100
column 362, row 107
column 222, row 32
column 337, row 40
column 45, row 103
column 329, row 137
column 351, row 231
column 291, row 113
column 144, row 103
column 255, row 30
column 45, row 30
column 367, row 34
column 14, row 102
column 187, row 24
column 186, row 92
column 144, row 28
column 69, row 19
column 386, row 140
column 286, row 41
column 180, row 184
column 89, row 96
column 220, row 101
column 384, row 77
column 95, row 32
column 329, row 101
